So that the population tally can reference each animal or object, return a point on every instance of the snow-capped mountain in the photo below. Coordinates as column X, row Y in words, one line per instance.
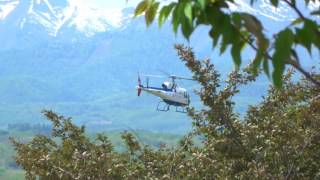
column 54, row 15
column 264, row 8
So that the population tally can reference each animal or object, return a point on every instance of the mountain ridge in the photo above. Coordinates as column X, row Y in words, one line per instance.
column 62, row 14
column 56, row 16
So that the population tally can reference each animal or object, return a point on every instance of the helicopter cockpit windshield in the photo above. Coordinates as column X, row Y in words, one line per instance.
column 167, row 85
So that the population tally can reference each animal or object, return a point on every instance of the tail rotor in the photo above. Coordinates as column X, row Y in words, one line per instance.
column 139, row 87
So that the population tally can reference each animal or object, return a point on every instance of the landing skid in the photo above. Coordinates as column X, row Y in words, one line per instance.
column 163, row 106
column 181, row 109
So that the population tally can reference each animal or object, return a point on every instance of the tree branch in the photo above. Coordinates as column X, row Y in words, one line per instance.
column 294, row 7
column 290, row 62
column 304, row 72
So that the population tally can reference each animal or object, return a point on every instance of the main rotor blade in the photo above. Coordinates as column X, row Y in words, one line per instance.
column 155, row 76
column 190, row 79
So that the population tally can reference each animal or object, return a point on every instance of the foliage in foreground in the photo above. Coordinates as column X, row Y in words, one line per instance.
column 277, row 139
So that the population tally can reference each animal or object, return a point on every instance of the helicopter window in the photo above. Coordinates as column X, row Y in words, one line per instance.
column 164, row 86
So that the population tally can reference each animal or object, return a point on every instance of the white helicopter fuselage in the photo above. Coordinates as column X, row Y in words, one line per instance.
column 175, row 96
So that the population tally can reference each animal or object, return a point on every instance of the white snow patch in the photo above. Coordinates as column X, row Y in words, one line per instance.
column 242, row 6
column 314, row 5
column 90, row 19
column 7, row 8
column 86, row 19
column 263, row 8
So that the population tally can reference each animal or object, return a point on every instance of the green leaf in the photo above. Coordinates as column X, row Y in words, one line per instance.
column 225, row 39
column 202, row 4
column 215, row 35
column 228, row 33
column 176, row 17
column 188, row 12
column 254, row 26
column 223, row 46
column 236, row 18
column 151, row 13
column 308, row 35
column 313, row 28
column 164, row 13
column 274, row 2
column 257, row 61
column 295, row 55
column 282, row 53
column 142, row 6
column 296, row 22
column 215, row 19
column 266, row 67
column 186, row 27
column 236, row 53
column 304, row 38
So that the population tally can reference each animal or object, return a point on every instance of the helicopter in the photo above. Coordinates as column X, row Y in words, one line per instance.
column 169, row 92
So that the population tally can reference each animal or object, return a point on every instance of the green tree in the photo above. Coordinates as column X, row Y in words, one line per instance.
column 240, row 29
column 276, row 139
